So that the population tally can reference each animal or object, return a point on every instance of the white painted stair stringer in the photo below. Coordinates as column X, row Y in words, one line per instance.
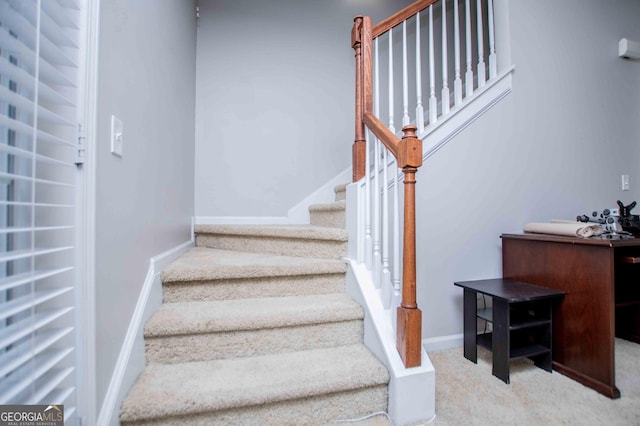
column 411, row 390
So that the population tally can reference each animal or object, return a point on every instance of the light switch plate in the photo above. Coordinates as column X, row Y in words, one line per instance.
column 117, row 136
column 625, row 182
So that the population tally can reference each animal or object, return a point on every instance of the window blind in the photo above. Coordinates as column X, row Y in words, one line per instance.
column 39, row 51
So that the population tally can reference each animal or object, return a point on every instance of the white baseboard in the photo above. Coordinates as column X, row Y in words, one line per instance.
column 434, row 344
column 297, row 215
column 130, row 363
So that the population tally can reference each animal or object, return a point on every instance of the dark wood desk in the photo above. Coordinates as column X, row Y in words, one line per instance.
column 601, row 279
column 521, row 317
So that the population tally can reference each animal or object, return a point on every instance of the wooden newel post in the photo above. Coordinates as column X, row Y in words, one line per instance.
column 359, row 145
column 409, row 331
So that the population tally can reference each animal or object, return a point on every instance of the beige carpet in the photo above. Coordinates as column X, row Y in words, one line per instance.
column 468, row 394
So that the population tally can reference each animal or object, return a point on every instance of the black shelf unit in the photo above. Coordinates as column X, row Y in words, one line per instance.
column 521, row 322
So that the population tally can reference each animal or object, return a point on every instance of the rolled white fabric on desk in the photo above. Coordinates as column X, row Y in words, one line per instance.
column 567, row 228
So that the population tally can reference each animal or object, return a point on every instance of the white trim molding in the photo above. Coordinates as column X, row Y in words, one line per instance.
column 131, row 358
column 459, row 118
column 296, row 215
column 434, row 344
column 86, row 206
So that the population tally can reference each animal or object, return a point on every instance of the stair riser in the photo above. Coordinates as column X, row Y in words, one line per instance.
column 330, row 218
column 203, row 347
column 320, row 409
column 253, row 287
column 341, row 195
column 323, row 249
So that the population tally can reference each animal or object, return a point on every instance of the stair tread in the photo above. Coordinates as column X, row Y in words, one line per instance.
column 202, row 263
column 251, row 314
column 197, row 387
column 281, row 231
column 334, row 206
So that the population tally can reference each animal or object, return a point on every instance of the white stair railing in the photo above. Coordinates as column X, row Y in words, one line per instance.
column 382, row 74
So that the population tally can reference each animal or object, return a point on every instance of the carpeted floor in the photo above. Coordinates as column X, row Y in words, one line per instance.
column 468, row 394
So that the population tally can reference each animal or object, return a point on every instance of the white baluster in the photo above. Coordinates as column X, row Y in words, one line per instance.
column 482, row 73
column 433, row 101
column 468, row 77
column 386, row 275
column 419, row 107
column 397, row 257
column 493, row 65
column 368, row 239
column 405, row 78
column 376, row 259
column 457, row 83
column 361, row 220
column 376, row 262
column 445, row 70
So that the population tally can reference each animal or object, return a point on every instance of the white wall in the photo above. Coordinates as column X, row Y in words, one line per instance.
column 554, row 148
column 144, row 200
column 275, row 100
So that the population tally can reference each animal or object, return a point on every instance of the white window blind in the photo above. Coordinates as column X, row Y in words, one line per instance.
column 39, row 51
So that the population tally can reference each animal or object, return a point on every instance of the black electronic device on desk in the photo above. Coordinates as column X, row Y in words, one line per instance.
column 617, row 223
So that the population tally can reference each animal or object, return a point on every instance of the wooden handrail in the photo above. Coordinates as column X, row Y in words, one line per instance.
column 401, row 16
column 382, row 132
column 408, row 153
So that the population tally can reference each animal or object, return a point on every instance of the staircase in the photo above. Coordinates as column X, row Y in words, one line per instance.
column 256, row 328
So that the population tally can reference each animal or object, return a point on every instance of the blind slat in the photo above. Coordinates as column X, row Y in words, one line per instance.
column 22, row 203
column 26, row 104
column 48, row 73
column 19, row 355
column 44, row 373
column 29, row 155
column 23, row 254
column 48, row 49
column 17, row 331
column 55, row 31
column 14, row 281
column 9, row 177
column 60, row 13
column 16, row 230
column 50, row 381
column 20, row 304
column 26, row 81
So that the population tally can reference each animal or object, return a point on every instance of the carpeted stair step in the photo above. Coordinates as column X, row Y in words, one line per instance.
column 341, row 192
column 306, row 387
column 287, row 240
column 211, row 274
column 331, row 215
column 198, row 331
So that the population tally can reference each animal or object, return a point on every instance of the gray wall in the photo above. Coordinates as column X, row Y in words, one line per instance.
column 274, row 106
column 553, row 149
column 144, row 200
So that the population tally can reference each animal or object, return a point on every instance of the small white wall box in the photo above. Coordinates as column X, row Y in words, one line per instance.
column 629, row 49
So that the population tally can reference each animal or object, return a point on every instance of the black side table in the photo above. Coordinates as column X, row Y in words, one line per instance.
column 522, row 322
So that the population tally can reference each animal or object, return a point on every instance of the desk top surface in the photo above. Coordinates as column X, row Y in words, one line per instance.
column 510, row 290
column 574, row 240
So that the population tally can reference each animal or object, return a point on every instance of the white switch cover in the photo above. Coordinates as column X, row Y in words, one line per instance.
column 625, row 182
column 117, row 136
